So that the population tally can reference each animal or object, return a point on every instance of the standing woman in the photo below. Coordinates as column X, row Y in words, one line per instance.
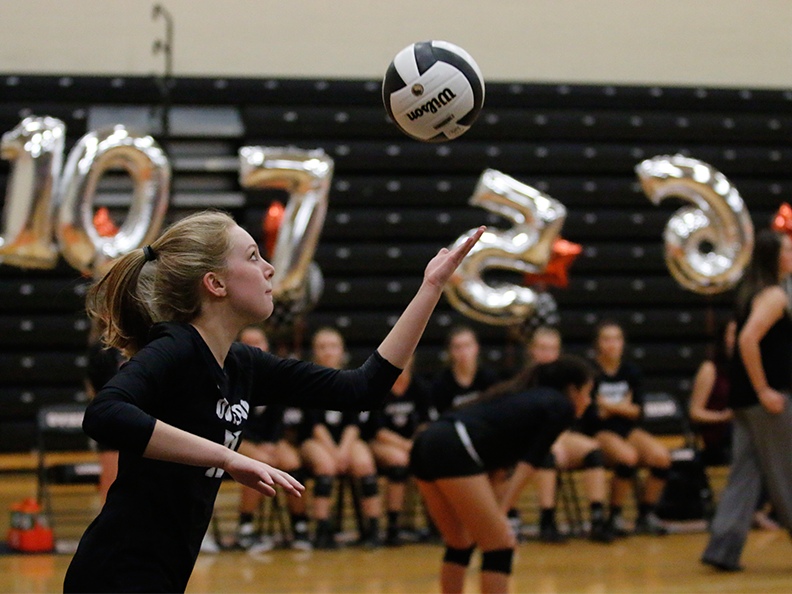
column 452, row 457
column 761, row 382
column 175, row 410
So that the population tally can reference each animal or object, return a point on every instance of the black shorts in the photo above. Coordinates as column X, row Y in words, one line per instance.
column 438, row 452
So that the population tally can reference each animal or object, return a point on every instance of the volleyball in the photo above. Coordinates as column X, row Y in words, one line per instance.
column 433, row 91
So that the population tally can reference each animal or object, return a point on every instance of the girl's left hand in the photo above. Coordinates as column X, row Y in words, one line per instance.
column 261, row 477
column 443, row 265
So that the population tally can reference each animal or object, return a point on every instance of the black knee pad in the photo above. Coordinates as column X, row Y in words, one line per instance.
column 659, row 473
column 398, row 474
column 323, row 486
column 499, row 561
column 623, row 471
column 369, row 486
column 594, row 459
column 300, row 474
column 548, row 462
column 458, row 556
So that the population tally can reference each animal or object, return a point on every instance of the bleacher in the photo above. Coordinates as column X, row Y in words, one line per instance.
column 394, row 202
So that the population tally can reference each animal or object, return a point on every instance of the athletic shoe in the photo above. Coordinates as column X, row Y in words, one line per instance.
column 262, row 545
column 600, row 533
column 301, row 542
column 615, row 525
column 650, row 524
column 721, row 566
column 550, row 533
column 246, row 536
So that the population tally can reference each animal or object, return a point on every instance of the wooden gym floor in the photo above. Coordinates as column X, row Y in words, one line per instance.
column 645, row 565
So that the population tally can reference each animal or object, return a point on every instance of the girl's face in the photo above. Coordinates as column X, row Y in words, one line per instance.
column 328, row 350
column 248, row 278
column 255, row 338
column 463, row 349
column 785, row 257
column 545, row 348
column 610, row 342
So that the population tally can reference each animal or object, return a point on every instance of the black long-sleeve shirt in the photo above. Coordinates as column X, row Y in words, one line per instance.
column 149, row 532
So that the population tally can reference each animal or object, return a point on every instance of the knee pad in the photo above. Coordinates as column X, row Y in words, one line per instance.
column 300, row 474
column 623, row 471
column 499, row 561
column 548, row 462
column 398, row 474
column 323, row 486
column 369, row 486
column 659, row 473
column 458, row 556
column 594, row 459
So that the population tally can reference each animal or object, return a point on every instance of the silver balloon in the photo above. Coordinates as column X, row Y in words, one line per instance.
column 709, row 244
column 306, row 176
column 35, row 149
column 525, row 247
column 94, row 154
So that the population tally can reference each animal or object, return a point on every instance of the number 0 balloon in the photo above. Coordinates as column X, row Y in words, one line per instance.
column 708, row 244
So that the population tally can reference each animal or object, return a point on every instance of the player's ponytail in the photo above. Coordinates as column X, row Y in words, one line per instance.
column 567, row 370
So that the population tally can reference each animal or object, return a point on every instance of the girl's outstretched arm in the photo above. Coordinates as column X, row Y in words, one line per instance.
column 400, row 343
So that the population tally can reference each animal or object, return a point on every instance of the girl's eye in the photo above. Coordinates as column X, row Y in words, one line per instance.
column 254, row 256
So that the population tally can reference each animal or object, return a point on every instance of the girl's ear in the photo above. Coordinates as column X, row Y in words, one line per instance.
column 214, row 284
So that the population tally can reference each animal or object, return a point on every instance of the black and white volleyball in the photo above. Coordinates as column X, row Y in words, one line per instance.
column 433, row 91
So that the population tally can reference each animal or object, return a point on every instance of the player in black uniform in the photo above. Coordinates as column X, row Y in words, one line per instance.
column 613, row 419
column 264, row 438
column 175, row 411
column 390, row 433
column 465, row 378
column 451, row 458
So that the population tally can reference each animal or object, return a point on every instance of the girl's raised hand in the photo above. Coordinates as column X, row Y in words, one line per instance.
column 443, row 265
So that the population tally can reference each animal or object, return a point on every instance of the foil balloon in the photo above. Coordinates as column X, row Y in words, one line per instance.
column 35, row 149
column 81, row 243
column 556, row 273
column 306, row 176
column 525, row 247
column 709, row 243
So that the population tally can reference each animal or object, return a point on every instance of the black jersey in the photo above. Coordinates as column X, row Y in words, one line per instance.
column 102, row 365
column 401, row 414
column 613, row 389
column 335, row 421
column 448, row 394
column 775, row 350
column 515, row 427
column 149, row 531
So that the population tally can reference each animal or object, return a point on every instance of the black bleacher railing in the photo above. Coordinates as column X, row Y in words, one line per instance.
column 394, row 202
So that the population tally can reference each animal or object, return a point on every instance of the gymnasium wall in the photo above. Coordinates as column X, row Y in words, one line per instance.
column 669, row 42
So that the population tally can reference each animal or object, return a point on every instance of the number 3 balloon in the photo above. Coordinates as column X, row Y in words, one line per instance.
column 709, row 244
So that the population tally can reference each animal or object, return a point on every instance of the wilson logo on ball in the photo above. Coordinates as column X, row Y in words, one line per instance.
column 443, row 98
column 442, row 72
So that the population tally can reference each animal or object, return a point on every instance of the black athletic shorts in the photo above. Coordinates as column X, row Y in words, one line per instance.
column 438, row 452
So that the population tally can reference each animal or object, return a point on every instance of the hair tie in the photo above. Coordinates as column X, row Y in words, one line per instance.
column 149, row 253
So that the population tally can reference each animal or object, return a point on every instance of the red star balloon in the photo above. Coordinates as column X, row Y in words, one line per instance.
column 782, row 221
column 555, row 273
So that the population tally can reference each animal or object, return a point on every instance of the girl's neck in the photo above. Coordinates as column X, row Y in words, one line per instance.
column 608, row 365
column 217, row 336
column 464, row 375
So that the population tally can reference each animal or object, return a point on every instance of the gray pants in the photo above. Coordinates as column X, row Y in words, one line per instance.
column 762, row 451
